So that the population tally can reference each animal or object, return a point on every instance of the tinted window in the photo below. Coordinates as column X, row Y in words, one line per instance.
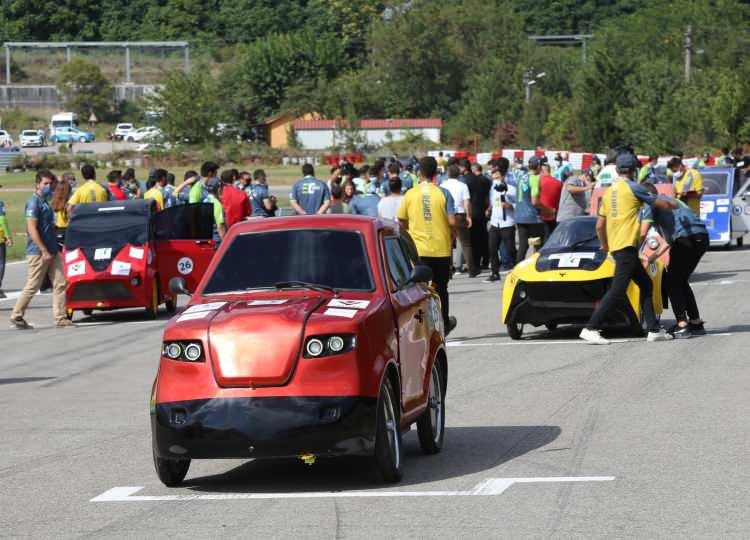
column 109, row 230
column 578, row 234
column 332, row 258
column 399, row 266
column 715, row 183
column 185, row 222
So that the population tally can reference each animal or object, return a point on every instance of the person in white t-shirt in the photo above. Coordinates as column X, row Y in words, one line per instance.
column 501, row 214
column 462, row 206
column 388, row 205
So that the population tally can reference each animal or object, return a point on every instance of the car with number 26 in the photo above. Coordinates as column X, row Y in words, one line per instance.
column 330, row 343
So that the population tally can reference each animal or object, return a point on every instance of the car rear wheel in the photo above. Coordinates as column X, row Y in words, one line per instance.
column 740, row 241
column 82, row 140
column 515, row 329
column 171, row 472
column 431, row 425
column 388, row 448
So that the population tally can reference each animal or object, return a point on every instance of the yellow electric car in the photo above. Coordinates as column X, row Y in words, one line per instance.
column 566, row 279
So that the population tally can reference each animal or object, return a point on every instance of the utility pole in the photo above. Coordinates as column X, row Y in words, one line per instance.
column 526, row 85
column 688, row 51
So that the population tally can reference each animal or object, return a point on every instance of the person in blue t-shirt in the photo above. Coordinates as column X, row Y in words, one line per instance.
column 310, row 195
column 42, row 256
column 263, row 203
column 367, row 204
column 687, row 240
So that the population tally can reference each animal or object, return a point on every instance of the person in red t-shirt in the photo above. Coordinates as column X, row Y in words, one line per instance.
column 235, row 202
column 114, row 179
column 551, row 189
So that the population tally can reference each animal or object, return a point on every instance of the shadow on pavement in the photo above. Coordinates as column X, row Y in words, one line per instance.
column 712, row 276
column 21, row 380
column 467, row 450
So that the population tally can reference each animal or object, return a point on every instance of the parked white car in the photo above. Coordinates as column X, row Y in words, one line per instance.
column 147, row 133
column 30, row 137
column 5, row 138
column 123, row 130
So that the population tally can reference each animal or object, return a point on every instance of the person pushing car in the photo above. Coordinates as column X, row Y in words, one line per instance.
column 618, row 229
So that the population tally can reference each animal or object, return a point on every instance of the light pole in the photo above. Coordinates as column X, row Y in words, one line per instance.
column 529, row 80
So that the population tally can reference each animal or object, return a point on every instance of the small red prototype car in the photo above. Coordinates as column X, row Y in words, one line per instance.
column 122, row 254
column 307, row 337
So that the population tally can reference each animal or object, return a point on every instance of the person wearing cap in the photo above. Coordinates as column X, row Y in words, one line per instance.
column 688, row 184
column 687, row 240
column 309, row 195
column 528, row 206
column 618, row 229
column 6, row 241
column 427, row 211
column 367, row 204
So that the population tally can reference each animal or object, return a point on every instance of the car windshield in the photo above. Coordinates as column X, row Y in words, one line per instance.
column 330, row 258
column 29, row 133
column 110, row 230
column 715, row 183
column 577, row 234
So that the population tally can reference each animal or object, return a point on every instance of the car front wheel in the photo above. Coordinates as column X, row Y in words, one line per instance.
column 431, row 425
column 171, row 472
column 515, row 329
column 388, row 449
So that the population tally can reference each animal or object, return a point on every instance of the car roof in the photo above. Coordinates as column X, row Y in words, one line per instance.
column 142, row 207
column 717, row 169
column 364, row 224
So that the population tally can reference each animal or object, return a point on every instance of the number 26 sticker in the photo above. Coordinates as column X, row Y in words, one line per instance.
column 185, row 265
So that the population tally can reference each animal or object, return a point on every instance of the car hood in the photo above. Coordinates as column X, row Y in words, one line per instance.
column 257, row 342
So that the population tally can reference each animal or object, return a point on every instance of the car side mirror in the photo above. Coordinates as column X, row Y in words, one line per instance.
column 177, row 286
column 421, row 274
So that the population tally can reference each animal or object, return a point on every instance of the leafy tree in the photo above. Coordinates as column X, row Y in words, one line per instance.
column 85, row 89
column 190, row 107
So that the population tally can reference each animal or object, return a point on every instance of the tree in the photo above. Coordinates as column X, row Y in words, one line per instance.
column 729, row 106
column 189, row 107
column 85, row 89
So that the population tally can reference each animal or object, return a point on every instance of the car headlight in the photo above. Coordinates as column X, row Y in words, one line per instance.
column 521, row 291
column 183, row 351
column 328, row 345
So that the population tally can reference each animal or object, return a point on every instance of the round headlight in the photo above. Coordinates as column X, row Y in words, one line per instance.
column 193, row 352
column 314, row 347
column 336, row 343
column 173, row 351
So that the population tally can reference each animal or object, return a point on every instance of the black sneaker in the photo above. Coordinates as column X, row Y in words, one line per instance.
column 492, row 278
column 473, row 274
column 682, row 332
column 452, row 323
column 697, row 329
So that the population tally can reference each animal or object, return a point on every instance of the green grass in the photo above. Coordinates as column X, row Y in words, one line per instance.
column 277, row 174
column 14, row 208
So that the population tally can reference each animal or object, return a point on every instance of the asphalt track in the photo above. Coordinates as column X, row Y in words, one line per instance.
column 631, row 440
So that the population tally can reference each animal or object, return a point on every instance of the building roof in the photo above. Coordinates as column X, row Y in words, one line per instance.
column 386, row 123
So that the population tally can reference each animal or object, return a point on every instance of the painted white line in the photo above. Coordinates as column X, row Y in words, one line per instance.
column 489, row 487
column 573, row 341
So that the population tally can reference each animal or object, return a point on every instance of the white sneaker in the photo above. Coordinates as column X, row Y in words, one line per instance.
column 661, row 335
column 593, row 336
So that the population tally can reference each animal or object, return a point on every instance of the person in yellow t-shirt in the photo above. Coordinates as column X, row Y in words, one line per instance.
column 88, row 192
column 153, row 191
column 688, row 184
column 618, row 229
column 427, row 212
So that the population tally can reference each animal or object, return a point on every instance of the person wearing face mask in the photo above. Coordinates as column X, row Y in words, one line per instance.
column 688, row 184
column 42, row 256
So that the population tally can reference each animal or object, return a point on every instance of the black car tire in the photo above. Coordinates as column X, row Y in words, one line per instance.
column 431, row 425
column 171, row 472
column 740, row 241
column 515, row 329
column 388, row 444
column 88, row 312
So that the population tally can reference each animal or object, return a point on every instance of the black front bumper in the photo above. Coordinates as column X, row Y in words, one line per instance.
column 264, row 427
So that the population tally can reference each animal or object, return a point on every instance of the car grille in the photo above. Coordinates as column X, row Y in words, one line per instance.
column 101, row 290
column 573, row 294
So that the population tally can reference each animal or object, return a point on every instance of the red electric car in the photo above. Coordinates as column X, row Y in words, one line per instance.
column 307, row 337
column 122, row 254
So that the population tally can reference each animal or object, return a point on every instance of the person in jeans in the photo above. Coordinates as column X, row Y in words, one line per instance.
column 427, row 212
column 42, row 256
column 5, row 242
column 501, row 214
column 462, row 201
column 618, row 229
column 687, row 240
column 528, row 207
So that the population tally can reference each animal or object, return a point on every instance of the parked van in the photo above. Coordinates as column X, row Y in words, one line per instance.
column 62, row 120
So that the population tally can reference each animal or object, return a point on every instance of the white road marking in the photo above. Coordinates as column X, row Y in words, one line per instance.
column 573, row 341
column 489, row 487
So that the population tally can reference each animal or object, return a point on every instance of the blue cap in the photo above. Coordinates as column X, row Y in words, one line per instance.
column 627, row 161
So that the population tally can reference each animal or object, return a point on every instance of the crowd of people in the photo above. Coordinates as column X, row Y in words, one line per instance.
column 462, row 218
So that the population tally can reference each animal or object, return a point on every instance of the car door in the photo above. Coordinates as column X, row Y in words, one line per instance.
column 409, row 304
column 184, row 243
column 741, row 207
